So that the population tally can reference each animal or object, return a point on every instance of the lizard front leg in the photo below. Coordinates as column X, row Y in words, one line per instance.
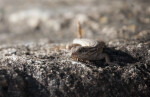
column 104, row 56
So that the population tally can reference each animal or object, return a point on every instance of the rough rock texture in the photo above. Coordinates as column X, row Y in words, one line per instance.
column 37, row 70
column 31, row 67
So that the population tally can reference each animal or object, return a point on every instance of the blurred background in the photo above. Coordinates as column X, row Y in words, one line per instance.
column 24, row 21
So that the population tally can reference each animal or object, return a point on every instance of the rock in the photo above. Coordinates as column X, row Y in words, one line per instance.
column 31, row 67
column 35, row 71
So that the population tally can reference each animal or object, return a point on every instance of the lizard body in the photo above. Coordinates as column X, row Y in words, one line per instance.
column 87, row 49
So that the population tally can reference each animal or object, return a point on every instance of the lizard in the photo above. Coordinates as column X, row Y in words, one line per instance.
column 87, row 49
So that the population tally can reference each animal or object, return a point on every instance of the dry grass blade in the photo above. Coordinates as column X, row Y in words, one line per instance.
column 80, row 30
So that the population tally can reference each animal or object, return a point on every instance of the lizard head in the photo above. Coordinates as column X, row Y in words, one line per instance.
column 84, row 53
column 87, row 52
column 78, row 52
column 100, row 46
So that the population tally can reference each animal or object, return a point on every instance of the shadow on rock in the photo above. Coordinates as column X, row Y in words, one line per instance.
column 120, row 57
column 19, row 84
column 117, row 57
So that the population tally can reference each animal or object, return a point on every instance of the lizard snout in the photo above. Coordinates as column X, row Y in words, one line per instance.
column 74, row 51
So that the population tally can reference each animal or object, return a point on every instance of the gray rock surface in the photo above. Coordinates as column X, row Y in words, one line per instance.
column 31, row 67
column 35, row 70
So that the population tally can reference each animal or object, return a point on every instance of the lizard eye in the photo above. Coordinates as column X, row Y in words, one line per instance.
column 80, row 50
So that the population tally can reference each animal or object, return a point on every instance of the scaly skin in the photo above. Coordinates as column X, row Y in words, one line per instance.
column 87, row 49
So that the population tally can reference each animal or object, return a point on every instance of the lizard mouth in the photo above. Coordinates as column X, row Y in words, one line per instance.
column 74, row 51
column 73, row 55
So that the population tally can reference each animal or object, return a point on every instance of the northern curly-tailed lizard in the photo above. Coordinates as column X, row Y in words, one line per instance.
column 87, row 49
